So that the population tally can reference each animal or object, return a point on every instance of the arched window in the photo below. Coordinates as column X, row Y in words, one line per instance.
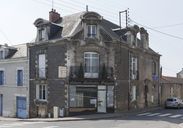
column 91, row 63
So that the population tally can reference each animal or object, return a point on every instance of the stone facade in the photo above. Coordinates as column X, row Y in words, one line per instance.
column 102, row 68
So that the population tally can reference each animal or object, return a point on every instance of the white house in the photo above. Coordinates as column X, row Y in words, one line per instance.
column 14, row 81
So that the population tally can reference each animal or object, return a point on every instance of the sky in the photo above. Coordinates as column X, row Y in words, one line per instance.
column 163, row 20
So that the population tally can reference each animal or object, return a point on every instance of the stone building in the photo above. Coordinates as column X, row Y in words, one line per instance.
column 14, row 81
column 83, row 63
column 171, row 87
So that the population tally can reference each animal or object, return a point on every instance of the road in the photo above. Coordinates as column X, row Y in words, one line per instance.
column 163, row 118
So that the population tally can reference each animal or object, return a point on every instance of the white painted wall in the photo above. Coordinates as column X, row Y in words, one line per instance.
column 10, row 89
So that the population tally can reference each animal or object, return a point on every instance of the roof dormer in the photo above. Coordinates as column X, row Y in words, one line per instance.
column 90, row 21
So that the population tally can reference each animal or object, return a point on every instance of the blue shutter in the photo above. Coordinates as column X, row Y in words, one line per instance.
column 1, row 77
column 20, row 78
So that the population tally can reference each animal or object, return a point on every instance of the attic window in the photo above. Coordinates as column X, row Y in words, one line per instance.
column 1, row 54
column 92, row 31
column 41, row 36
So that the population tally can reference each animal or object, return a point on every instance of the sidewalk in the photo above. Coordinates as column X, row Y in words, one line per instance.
column 80, row 117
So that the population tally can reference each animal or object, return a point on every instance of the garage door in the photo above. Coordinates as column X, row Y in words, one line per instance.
column 1, row 104
column 21, row 107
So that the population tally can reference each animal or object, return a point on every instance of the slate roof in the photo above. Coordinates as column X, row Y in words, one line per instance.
column 21, row 51
column 171, row 80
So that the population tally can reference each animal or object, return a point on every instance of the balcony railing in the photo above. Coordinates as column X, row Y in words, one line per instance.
column 94, row 74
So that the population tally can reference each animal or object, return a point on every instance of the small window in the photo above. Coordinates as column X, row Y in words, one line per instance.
column 41, row 34
column 92, row 31
column 1, row 54
column 134, row 68
column 42, row 92
column 153, row 68
column 1, row 77
column 42, row 66
column 19, row 77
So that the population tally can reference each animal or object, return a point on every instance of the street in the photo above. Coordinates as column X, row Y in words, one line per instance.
column 163, row 118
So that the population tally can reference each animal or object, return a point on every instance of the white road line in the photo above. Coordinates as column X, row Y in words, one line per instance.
column 51, row 127
column 163, row 115
column 143, row 114
column 154, row 114
column 175, row 116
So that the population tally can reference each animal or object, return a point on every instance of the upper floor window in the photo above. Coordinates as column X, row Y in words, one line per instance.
column 1, row 77
column 92, row 31
column 41, row 34
column 134, row 68
column 42, row 66
column 19, row 77
column 1, row 54
column 153, row 68
column 91, row 60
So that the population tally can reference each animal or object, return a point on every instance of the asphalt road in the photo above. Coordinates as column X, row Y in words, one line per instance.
column 164, row 118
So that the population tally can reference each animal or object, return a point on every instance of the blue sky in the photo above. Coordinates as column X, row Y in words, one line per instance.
column 17, row 17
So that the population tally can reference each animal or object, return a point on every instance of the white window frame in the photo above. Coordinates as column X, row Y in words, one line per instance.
column 134, row 68
column 91, row 73
column 42, row 65
column 92, row 30
column 40, row 96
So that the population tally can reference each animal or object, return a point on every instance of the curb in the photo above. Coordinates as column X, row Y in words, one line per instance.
column 90, row 117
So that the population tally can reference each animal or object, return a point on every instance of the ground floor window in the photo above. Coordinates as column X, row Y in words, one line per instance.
column 83, row 97
column 41, row 92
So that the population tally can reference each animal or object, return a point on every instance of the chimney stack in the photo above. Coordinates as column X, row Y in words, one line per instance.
column 54, row 16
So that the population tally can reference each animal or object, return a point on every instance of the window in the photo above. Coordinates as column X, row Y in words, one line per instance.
column 133, row 93
column 41, row 31
column 153, row 68
column 91, row 60
column 79, row 99
column 42, row 92
column 19, row 77
column 134, row 70
column 92, row 31
column 1, row 55
column 1, row 77
column 42, row 66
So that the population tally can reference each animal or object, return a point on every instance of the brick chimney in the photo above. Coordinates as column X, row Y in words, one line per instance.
column 54, row 16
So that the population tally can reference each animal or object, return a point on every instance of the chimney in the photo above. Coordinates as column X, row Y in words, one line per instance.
column 144, row 36
column 54, row 16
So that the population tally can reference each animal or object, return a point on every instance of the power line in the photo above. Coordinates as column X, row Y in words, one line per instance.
column 169, row 26
column 167, row 34
column 5, row 36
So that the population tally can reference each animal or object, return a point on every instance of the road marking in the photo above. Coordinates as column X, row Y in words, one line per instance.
column 154, row 114
column 175, row 116
column 143, row 114
column 163, row 115
column 51, row 127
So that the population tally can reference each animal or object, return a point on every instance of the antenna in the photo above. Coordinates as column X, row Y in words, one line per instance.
column 52, row 3
column 126, row 16
column 86, row 8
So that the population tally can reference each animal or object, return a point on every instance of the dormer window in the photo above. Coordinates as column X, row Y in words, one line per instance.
column 41, row 34
column 92, row 31
column 1, row 54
